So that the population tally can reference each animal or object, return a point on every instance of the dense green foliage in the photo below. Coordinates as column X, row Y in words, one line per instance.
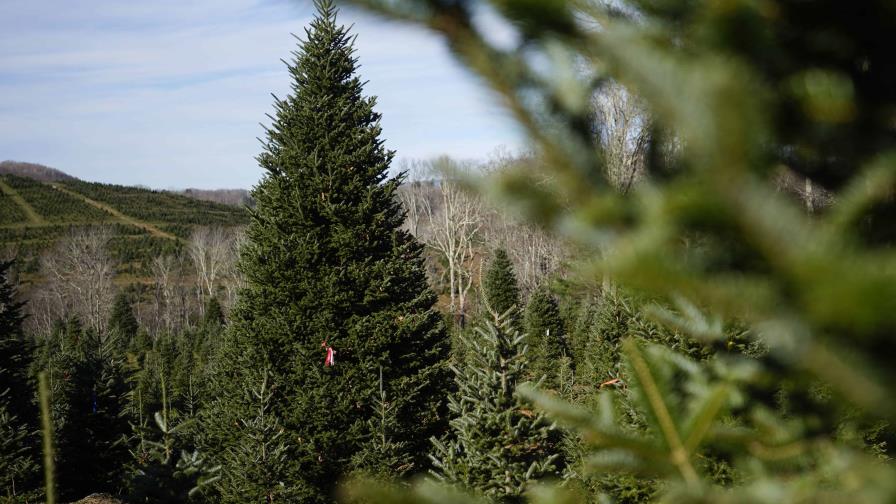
column 132, row 248
column 736, row 94
column 213, row 315
column 497, row 446
column 500, row 289
column 18, row 453
column 92, row 454
column 546, row 337
column 18, row 466
column 327, row 265
column 54, row 205
column 159, row 206
column 134, row 254
column 167, row 473
column 10, row 212
column 122, row 321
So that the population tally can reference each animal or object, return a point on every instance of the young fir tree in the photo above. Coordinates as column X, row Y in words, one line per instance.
column 615, row 318
column 327, row 264
column 18, row 466
column 500, row 289
column 214, row 314
column 122, row 321
column 258, row 465
column 498, row 445
column 91, row 438
column 166, row 471
column 18, row 413
column 546, row 338
column 383, row 457
column 15, row 349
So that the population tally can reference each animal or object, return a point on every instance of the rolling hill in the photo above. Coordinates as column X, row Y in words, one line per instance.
column 39, row 205
column 33, row 171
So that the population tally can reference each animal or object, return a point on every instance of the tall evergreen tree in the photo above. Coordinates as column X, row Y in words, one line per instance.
column 546, row 337
column 18, row 413
column 500, row 289
column 16, row 351
column 327, row 264
column 497, row 444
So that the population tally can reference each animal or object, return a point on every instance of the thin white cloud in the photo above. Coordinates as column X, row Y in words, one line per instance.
column 170, row 93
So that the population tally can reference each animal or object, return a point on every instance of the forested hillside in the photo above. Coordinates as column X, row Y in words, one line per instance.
column 684, row 292
column 141, row 223
column 34, row 171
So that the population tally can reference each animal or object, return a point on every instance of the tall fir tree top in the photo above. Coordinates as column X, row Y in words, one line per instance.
column 325, row 134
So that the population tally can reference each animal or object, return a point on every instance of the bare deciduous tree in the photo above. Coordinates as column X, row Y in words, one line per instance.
column 416, row 194
column 454, row 222
column 165, row 271
column 79, row 275
column 535, row 254
column 210, row 249
column 624, row 135
column 234, row 278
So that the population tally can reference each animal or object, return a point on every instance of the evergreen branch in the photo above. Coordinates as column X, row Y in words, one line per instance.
column 704, row 417
column 592, row 432
column 691, row 321
column 848, row 378
column 679, row 454
column 875, row 183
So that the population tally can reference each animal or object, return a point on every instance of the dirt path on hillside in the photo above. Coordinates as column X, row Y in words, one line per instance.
column 33, row 216
column 149, row 228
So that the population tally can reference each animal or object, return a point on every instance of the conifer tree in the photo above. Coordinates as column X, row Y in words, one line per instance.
column 382, row 457
column 122, row 320
column 500, row 289
column 166, row 471
column 328, row 265
column 18, row 467
column 92, row 446
column 498, row 445
column 57, row 354
column 546, row 337
column 214, row 314
column 15, row 352
column 18, row 414
column 257, row 468
column 614, row 319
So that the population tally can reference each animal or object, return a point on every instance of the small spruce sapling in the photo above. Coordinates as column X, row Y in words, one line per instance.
column 498, row 445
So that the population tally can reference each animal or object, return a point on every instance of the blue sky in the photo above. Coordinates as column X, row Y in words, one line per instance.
column 170, row 93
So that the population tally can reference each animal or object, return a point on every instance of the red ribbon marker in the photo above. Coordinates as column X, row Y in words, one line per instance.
column 330, row 359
